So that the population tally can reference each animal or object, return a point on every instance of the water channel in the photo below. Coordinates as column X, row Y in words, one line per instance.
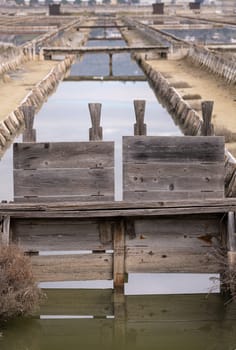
column 84, row 316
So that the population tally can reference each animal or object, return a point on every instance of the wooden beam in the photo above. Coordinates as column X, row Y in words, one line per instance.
column 5, row 230
column 207, row 127
column 29, row 134
column 95, row 132
column 139, row 127
column 231, row 245
column 119, row 255
column 106, row 78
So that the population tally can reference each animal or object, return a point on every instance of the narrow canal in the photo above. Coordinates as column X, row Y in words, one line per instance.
column 89, row 317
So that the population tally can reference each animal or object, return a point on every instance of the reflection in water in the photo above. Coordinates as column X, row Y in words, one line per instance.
column 103, row 320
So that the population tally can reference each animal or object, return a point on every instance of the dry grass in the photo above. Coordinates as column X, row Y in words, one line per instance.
column 227, row 274
column 19, row 294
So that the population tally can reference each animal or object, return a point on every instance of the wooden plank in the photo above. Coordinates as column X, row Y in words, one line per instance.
column 97, row 302
column 95, row 132
column 119, row 255
column 215, row 204
column 142, row 149
column 66, row 182
column 207, row 128
column 59, row 234
column 140, row 128
column 72, row 267
column 63, row 155
column 173, row 245
column 140, row 260
column 146, row 212
column 56, row 199
column 231, row 244
column 171, row 195
column 174, row 177
column 5, row 230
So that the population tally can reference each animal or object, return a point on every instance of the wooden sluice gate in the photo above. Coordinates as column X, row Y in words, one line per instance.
column 173, row 216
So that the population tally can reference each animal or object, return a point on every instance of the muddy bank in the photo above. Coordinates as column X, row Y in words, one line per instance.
column 14, row 122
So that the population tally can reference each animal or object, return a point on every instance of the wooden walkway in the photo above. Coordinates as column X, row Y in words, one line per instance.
column 47, row 51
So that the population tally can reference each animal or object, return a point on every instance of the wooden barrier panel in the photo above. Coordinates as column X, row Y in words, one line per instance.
column 166, row 168
column 81, row 171
column 174, row 244
column 35, row 235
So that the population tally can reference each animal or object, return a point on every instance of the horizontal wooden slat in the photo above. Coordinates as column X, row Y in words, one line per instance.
column 191, row 225
column 173, row 168
column 142, row 149
column 141, row 260
column 65, row 182
column 114, row 206
column 174, row 245
column 63, row 155
column 171, row 195
column 72, row 267
column 59, row 234
column 59, row 199
column 174, row 177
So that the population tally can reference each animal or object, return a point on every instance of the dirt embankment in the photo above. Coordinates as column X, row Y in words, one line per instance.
column 19, row 83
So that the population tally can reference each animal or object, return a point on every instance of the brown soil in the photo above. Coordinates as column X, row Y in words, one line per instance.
column 14, row 90
column 208, row 87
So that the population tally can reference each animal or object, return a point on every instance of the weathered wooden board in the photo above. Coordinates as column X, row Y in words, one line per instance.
column 173, row 168
column 176, row 177
column 96, row 302
column 141, row 149
column 63, row 155
column 174, row 245
column 65, row 182
column 68, row 170
column 57, row 234
column 72, row 267
column 170, row 195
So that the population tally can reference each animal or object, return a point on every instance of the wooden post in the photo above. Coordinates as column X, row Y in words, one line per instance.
column 5, row 230
column 139, row 127
column 231, row 245
column 95, row 133
column 110, row 65
column 29, row 134
column 207, row 127
column 119, row 255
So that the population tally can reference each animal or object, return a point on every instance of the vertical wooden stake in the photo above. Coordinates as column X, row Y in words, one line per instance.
column 139, row 127
column 110, row 65
column 5, row 230
column 231, row 245
column 95, row 132
column 207, row 127
column 29, row 134
column 119, row 255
